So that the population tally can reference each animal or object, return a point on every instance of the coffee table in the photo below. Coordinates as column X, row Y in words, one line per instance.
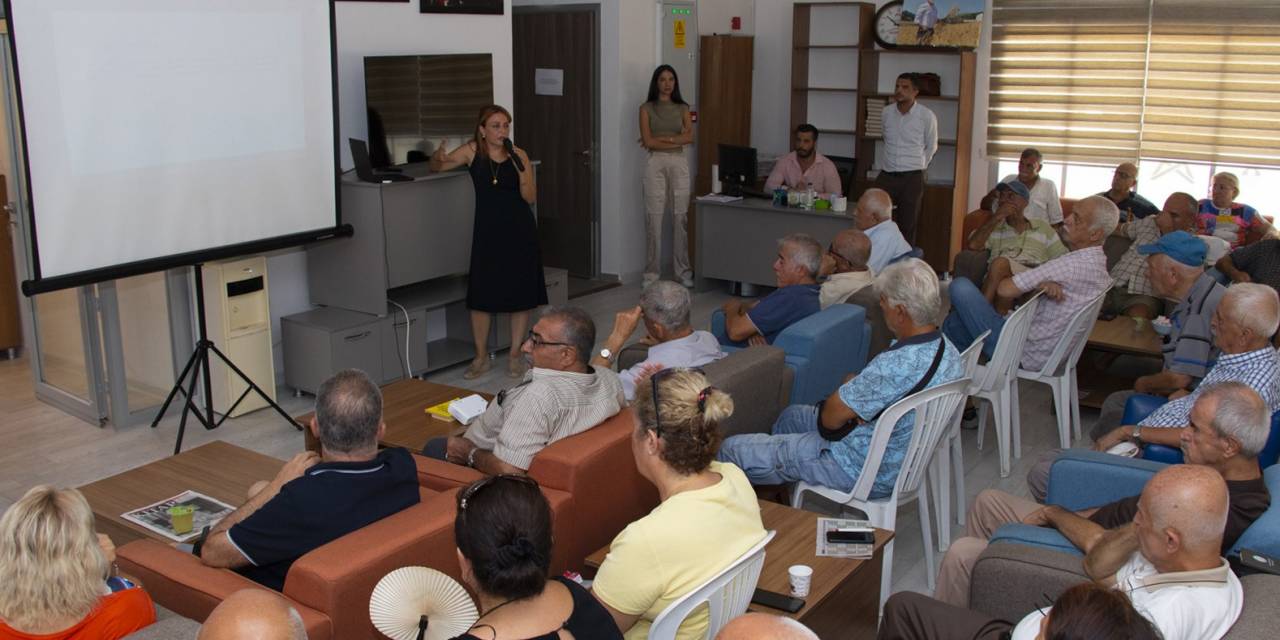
column 844, row 595
column 217, row 469
column 1114, row 336
column 404, row 404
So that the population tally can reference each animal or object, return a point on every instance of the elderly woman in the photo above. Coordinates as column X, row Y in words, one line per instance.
column 503, row 529
column 708, row 517
column 827, row 444
column 1222, row 217
column 56, row 573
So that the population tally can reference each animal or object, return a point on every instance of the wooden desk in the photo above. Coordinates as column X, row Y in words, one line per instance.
column 1113, row 336
column 844, row 596
column 217, row 469
column 404, row 404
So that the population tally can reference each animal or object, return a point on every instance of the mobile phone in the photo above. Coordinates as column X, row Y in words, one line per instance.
column 1259, row 561
column 777, row 601
column 851, row 536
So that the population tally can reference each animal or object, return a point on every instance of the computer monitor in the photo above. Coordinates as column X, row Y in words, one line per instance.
column 737, row 168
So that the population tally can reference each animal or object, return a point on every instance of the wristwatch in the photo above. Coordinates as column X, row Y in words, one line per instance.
column 471, row 457
column 606, row 354
column 1137, row 433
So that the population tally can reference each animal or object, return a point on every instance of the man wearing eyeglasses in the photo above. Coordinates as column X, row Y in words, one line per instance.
column 845, row 267
column 560, row 396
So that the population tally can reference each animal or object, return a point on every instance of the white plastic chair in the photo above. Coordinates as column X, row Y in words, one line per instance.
column 727, row 595
column 1059, row 372
column 941, row 468
column 994, row 381
column 933, row 408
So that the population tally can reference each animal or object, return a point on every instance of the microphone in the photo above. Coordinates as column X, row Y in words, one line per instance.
column 506, row 144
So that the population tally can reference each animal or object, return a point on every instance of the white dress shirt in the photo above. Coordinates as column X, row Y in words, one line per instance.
column 910, row 139
column 1044, row 204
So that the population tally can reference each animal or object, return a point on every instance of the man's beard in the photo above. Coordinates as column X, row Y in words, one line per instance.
column 804, row 153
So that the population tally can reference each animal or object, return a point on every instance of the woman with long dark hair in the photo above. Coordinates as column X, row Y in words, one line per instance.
column 666, row 126
column 506, row 264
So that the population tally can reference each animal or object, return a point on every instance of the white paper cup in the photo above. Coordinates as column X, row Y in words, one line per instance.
column 840, row 204
column 800, row 575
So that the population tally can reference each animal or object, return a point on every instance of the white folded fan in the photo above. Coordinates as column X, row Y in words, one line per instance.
column 466, row 409
column 1126, row 449
column 419, row 603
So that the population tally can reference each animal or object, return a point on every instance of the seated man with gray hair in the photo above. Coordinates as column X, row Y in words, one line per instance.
column 664, row 308
column 796, row 298
column 798, row 450
column 318, row 498
column 560, row 396
column 873, row 215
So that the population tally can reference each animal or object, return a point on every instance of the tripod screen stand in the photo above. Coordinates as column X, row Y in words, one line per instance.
column 197, row 372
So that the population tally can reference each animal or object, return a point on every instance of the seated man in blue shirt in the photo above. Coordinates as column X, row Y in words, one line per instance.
column 796, row 451
column 316, row 499
column 796, row 298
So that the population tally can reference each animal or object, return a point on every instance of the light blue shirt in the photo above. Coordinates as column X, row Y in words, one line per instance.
column 693, row 350
column 884, row 381
column 887, row 243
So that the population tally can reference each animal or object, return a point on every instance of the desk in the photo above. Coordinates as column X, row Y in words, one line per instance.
column 737, row 241
column 844, row 595
column 1114, row 336
column 404, row 404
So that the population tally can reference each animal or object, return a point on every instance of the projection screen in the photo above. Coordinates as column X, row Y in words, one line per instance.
column 161, row 133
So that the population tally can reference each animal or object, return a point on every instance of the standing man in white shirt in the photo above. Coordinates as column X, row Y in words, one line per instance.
column 910, row 140
column 1044, row 203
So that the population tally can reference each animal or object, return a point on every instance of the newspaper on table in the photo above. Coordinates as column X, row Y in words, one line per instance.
column 206, row 511
column 842, row 549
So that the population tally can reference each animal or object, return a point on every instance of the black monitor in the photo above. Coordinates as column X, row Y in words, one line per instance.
column 737, row 168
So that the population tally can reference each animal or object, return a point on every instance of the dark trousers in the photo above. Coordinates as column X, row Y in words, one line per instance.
column 436, row 448
column 906, row 189
column 909, row 615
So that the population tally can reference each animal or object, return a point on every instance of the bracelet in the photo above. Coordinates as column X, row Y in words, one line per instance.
column 471, row 458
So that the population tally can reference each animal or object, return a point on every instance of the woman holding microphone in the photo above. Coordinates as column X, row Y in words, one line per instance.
column 506, row 264
column 666, row 126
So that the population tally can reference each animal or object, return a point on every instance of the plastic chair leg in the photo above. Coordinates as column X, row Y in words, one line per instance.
column 1075, row 403
column 1001, row 408
column 940, row 476
column 926, row 532
column 1062, row 403
column 886, row 574
column 1015, row 418
column 957, row 468
column 986, row 407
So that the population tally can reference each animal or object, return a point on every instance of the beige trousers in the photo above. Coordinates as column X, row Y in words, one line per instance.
column 989, row 511
column 665, row 171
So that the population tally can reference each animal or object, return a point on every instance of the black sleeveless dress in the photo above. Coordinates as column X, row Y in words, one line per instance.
column 506, row 263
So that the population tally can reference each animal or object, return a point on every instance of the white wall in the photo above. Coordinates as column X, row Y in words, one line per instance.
column 714, row 16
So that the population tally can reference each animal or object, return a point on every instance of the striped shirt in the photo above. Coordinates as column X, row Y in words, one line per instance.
column 1189, row 349
column 1083, row 275
column 1131, row 270
column 547, row 406
column 1259, row 369
column 1031, row 248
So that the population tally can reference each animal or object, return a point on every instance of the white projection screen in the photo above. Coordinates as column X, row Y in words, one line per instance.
column 161, row 133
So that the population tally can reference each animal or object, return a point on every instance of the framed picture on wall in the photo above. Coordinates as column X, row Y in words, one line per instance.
column 946, row 24
column 492, row 7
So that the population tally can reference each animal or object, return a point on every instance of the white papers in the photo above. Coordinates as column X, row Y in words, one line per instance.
column 155, row 517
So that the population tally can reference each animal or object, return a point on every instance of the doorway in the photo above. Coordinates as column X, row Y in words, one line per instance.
column 555, row 52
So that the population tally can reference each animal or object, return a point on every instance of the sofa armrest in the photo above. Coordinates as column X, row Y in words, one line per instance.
column 1081, row 479
column 1257, row 617
column 752, row 377
column 1139, row 406
column 823, row 348
column 439, row 475
column 1041, row 537
column 1010, row 580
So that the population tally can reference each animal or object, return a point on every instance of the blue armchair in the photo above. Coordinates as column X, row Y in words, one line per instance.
column 821, row 349
column 1141, row 405
column 1082, row 479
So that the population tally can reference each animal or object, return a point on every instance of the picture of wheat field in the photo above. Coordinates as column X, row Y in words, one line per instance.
column 956, row 23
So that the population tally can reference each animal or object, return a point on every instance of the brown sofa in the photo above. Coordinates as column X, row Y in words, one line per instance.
column 331, row 585
column 596, row 473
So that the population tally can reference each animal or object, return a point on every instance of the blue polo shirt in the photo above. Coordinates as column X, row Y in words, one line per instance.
column 331, row 500
column 783, row 308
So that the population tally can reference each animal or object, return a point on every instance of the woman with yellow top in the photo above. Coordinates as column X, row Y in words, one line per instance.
column 708, row 517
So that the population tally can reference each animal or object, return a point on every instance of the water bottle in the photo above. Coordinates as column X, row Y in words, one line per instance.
column 809, row 196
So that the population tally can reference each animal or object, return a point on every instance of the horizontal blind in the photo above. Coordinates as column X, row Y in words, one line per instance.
column 445, row 99
column 1213, row 89
column 1067, row 78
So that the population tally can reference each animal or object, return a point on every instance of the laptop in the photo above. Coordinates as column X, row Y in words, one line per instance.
column 364, row 168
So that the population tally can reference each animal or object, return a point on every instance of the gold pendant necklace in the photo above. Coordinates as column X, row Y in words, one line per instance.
column 493, row 171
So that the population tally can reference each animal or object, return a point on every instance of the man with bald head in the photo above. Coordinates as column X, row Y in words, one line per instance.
column 1123, row 192
column 762, row 626
column 845, row 267
column 873, row 215
column 1133, row 294
column 253, row 614
column 1168, row 561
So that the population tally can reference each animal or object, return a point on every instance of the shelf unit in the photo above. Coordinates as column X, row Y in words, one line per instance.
column 827, row 39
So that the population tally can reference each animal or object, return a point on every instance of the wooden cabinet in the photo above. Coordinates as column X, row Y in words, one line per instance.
column 724, row 100
column 10, row 319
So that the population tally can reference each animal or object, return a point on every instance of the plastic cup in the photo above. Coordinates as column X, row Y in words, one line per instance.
column 840, row 204
column 180, row 517
column 801, row 575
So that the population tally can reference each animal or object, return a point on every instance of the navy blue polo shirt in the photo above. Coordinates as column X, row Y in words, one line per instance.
column 783, row 308
column 331, row 500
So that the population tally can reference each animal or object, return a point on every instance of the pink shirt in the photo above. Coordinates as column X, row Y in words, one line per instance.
column 787, row 171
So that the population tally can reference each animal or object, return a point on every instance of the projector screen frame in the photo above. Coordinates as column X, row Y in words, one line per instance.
column 38, row 284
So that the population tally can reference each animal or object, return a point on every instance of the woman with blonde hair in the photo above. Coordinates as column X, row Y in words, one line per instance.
column 1222, row 217
column 708, row 516
column 56, row 571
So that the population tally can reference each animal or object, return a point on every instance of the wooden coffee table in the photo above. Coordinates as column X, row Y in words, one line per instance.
column 217, row 469
column 404, row 404
column 844, row 596
column 1114, row 336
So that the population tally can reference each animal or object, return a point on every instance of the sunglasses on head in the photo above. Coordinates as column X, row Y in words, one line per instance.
column 653, row 380
column 470, row 492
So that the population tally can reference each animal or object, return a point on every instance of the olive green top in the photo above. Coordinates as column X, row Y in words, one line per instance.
column 665, row 118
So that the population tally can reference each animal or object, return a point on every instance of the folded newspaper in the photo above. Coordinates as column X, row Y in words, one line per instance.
column 155, row 517
column 841, row 549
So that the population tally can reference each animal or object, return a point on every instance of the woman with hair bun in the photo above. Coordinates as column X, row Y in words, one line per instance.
column 503, row 529
column 708, row 517
column 1090, row 611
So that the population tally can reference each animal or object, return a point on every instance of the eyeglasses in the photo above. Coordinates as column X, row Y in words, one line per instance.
column 539, row 342
column 470, row 492
column 835, row 256
column 653, row 380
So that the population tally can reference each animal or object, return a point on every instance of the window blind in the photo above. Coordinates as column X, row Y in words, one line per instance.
column 445, row 100
column 1116, row 80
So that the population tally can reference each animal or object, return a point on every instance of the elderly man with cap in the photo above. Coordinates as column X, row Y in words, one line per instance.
column 1016, row 243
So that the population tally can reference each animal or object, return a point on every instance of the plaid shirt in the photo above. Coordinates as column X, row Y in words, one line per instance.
column 1131, row 271
column 1259, row 369
column 1083, row 275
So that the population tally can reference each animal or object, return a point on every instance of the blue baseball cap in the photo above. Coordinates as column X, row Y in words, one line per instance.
column 1015, row 186
column 1180, row 246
